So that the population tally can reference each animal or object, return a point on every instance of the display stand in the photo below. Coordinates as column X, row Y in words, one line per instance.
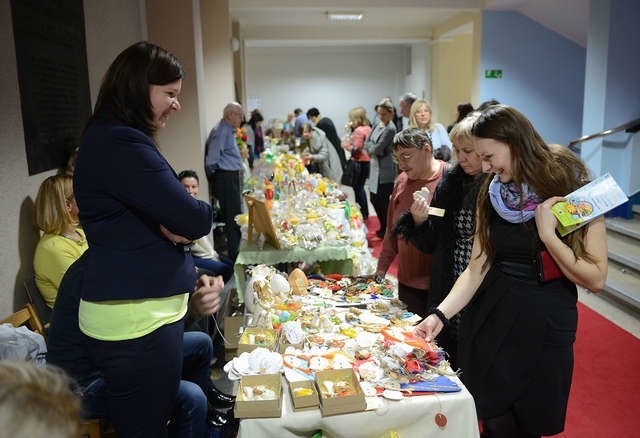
column 260, row 220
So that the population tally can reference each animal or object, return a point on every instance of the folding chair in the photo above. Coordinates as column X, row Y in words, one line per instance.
column 37, row 301
column 91, row 428
column 27, row 316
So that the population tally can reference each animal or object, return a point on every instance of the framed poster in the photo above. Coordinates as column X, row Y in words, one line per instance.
column 53, row 77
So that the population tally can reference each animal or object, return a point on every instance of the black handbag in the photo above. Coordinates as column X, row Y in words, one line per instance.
column 348, row 173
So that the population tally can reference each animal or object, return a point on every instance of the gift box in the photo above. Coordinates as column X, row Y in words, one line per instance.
column 248, row 407
column 340, row 392
column 304, row 395
column 254, row 337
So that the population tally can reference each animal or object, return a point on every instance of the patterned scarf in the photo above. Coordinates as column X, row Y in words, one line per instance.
column 505, row 198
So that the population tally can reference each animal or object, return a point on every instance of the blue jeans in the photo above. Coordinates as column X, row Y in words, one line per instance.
column 196, row 360
column 189, row 414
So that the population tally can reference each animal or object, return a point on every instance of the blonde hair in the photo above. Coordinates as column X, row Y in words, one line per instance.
column 414, row 109
column 51, row 214
column 358, row 117
column 462, row 131
column 37, row 402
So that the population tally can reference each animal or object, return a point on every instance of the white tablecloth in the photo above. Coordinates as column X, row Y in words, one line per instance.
column 410, row 417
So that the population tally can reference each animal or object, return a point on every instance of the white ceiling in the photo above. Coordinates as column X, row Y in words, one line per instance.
column 302, row 21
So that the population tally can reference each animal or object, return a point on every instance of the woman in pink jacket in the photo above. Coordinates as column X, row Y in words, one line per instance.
column 360, row 130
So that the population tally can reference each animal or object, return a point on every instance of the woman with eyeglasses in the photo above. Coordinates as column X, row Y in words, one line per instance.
column 382, row 170
column 412, row 152
column 448, row 238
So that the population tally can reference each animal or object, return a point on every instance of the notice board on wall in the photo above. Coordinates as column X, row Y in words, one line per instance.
column 53, row 77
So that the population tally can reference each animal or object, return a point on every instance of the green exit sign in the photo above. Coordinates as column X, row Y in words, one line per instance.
column 493, row 74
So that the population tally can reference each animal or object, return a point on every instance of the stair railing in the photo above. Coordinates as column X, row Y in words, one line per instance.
column 632, row 126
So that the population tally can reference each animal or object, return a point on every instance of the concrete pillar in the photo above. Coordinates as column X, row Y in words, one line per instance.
column 595, row 83
column 199, row 34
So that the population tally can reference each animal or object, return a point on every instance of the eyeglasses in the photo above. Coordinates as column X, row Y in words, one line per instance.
column 402, row 157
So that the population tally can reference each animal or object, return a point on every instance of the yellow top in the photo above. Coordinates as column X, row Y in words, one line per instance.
column 119, row 320
column 54, row 254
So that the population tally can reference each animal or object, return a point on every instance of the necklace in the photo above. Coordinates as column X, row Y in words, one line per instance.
column 80, row 241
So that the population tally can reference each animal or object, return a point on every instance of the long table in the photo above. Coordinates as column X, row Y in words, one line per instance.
column 409, row 417
column 335, row 259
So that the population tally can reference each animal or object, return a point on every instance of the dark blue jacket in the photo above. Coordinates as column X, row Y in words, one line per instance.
column 125, row 189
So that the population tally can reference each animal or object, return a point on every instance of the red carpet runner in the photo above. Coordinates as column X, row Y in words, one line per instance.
column 605, row 393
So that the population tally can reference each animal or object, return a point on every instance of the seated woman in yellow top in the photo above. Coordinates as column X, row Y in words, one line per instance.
column 63, row 242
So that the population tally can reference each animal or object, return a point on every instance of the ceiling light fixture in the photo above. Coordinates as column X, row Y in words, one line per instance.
column 345, row 16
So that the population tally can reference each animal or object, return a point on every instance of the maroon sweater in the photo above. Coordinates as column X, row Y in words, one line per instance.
column 414, row 266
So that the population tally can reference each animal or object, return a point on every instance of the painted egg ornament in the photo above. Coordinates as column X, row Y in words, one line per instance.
column 279, row 284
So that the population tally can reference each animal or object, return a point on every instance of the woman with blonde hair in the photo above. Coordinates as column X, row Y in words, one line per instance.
column 360, row 159
column 448, row 238
column 63, row 242
column 420, row 117
column 517, row 332
column 36, row 402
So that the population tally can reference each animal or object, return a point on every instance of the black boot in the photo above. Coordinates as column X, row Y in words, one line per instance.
column 217, row 418
column 219, row 399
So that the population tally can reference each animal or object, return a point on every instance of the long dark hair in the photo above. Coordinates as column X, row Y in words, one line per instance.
column 125, row 86
column 255, row 118
column 549, row 170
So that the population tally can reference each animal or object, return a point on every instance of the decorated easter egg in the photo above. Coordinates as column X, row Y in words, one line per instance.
column 298, row 282
column 279, row 284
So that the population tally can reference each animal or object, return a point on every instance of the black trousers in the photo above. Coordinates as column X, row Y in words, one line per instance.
column 415, row 299
column 380, row 202
column 142, row 377
column 226, row 186
column 360, row 175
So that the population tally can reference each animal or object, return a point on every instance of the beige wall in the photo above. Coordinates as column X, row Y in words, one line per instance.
column 217, row 58
column 455, row 67
column 111, row 25
column 200, row 36
column 452, row 76
column 180, row 142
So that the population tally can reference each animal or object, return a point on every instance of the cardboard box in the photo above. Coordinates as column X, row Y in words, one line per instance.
column 233, row 320
column 230, row 353
column 301, row 402
column 259, row 408
column 254, row 337
column 232, row 326
column 340, row 404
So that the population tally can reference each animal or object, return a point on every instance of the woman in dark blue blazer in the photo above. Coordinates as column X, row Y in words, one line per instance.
column 139, row 273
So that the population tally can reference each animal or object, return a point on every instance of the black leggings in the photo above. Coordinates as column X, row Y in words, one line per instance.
column 142, row 377
column 504, row 426
column 380, row 202
column 359, row 178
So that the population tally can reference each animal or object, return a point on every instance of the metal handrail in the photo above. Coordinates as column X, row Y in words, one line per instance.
column 632, row 127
